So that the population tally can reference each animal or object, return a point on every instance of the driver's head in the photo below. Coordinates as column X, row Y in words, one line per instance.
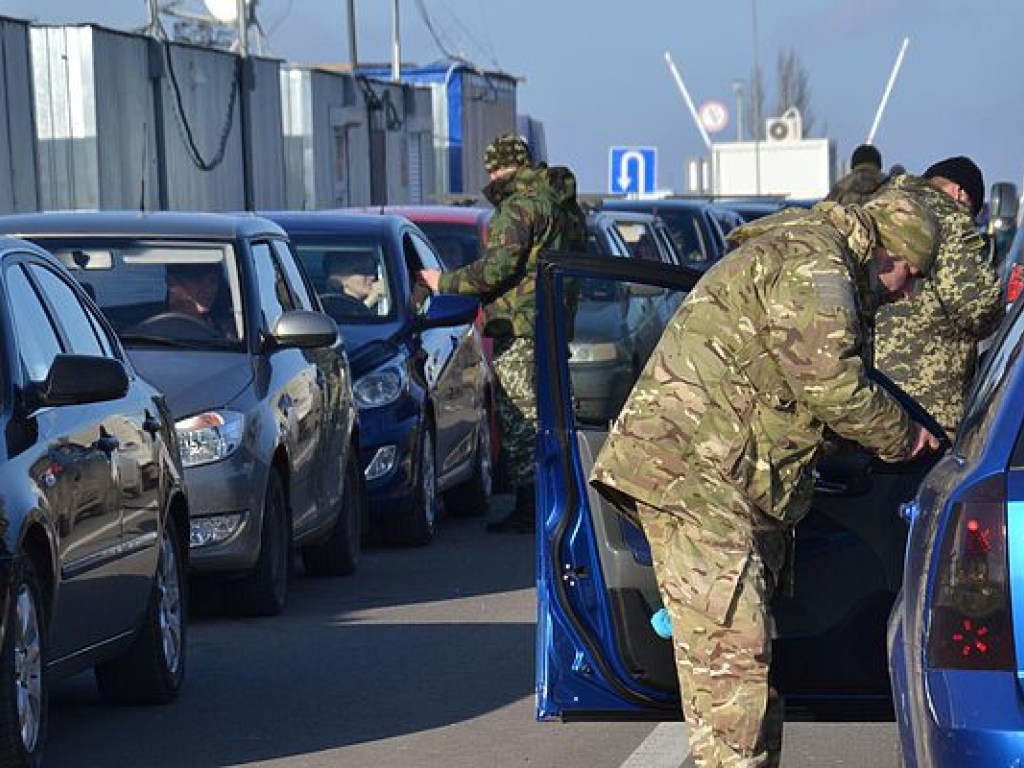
column 192, row 288
column 353, row 273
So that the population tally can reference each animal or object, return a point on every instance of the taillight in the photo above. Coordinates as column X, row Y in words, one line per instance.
column 1015, row 284
column 971, row 626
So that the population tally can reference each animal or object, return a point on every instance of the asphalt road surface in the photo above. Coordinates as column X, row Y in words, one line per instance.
column 422, row 659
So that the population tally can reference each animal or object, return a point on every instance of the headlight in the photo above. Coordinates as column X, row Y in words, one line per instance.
column 209, row 437
column 378, row 388
column 596, row 352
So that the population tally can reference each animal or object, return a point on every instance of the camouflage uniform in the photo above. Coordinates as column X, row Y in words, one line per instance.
column 728, row 416
column 929, row 345
column 535, row 210
column 858, row 185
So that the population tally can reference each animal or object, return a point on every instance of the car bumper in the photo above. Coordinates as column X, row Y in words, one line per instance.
column 229, row 490
column 392, row 490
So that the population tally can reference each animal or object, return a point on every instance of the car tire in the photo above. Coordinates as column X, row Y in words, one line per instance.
column 23, row 694
column 339, row 554
column 264, row 590
column 153, row 669
column 419, row 526
column 473, row 498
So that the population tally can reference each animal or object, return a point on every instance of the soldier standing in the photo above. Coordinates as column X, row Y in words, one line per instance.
column 929, row 344
column 728, row 416
column 535, row 210
column 863, row 180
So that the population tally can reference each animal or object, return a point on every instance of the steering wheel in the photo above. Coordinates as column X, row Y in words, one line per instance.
column 177, row 324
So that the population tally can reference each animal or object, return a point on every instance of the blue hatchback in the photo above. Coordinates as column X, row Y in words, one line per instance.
column 421, row 383
column 597, row 654
column 957, row 670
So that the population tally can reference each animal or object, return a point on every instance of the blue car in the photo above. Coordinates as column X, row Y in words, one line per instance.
column 598, row 655
column 957, row 668
column 421, row 382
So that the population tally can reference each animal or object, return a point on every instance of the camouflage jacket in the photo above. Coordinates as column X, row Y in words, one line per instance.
column 764, row 353
column 535, row 210
column 858, row 186
column 929, row 345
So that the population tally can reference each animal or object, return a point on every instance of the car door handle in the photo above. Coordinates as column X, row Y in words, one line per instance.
column 107, row 443
column 152, row 425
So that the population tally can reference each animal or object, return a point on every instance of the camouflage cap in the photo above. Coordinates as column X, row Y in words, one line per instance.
column 907, row 228
column 507, row 151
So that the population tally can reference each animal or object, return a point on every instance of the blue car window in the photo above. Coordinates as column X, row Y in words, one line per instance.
column 72, row 317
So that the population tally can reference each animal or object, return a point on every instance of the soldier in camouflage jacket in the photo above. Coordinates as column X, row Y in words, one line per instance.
column 712, row 451
column 535, row 209
column 929, row 344
column 863, row 180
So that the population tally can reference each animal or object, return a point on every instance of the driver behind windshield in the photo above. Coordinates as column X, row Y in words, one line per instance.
column 356, row 288
column 195, row 290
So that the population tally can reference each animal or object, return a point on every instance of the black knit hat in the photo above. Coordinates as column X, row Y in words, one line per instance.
column 963, row 172
column 866, row 153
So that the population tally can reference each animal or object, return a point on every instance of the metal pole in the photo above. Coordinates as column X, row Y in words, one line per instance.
column 757, row 103
column 243, row 29
column 353, row 56
column 396, row 48
column 888, row 90
column 689, row 101
column 246, row 77
column 737, row 88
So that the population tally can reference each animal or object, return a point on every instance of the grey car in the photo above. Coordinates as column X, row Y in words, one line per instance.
column 214, row 310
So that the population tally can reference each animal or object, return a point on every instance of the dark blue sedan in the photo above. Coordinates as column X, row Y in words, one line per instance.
column 956, row 664
column 421, row 383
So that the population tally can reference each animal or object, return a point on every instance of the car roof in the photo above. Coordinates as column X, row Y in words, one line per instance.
column 655, row 204
column 335, row 221
column 454, row 214
column 638, row 217
column 163, row 224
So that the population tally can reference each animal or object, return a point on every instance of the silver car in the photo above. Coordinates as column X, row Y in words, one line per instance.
column 214, row 310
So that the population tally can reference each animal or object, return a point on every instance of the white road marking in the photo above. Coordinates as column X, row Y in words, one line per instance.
column 666, row 747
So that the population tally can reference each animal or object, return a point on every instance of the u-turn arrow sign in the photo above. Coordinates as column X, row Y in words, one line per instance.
column 632, row 170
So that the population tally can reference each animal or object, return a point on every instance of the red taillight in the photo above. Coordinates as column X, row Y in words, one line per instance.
column 970, row 623
column 1015, row 284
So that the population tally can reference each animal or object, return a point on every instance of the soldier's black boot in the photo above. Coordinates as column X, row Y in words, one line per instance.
column 523, row 515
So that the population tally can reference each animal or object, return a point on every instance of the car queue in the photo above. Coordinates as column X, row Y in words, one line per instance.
column 291, row 416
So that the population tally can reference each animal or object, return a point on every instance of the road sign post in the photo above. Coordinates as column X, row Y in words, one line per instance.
column 632, row 170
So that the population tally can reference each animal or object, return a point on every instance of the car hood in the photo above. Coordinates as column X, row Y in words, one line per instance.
column 194, row 381
column 369, row 345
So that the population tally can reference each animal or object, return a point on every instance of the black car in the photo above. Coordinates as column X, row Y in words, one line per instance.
column 696, row 233
column 215, row 311
column 93, row 514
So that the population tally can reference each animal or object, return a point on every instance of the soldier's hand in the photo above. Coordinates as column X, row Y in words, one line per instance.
column 431, row 278
column 922, row 441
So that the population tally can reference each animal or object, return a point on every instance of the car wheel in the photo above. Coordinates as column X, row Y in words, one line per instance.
column 419, row 526
column 23, row 708
column 264, row 591
column 473, row 498
column 339, row 554
column 153, row 669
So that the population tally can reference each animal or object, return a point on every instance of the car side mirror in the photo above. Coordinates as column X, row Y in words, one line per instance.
column 445, row 310
column 304, row 329
column 80, row 379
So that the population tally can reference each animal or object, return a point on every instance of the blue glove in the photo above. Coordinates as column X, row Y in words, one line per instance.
column 662, row 624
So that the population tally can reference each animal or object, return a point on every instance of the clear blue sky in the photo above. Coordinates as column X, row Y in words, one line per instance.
column 594, row 72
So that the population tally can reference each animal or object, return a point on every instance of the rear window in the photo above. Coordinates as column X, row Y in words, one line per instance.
column 989, row 389
column 456, row 244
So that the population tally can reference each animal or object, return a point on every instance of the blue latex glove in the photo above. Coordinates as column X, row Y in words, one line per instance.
column 662, row 624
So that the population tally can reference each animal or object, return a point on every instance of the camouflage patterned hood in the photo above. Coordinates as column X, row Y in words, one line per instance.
column 558, row 183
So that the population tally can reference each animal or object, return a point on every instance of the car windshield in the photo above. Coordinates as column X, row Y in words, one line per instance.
column 456, row 244
column 686, row 235
column 164, row 294
column 351, row 277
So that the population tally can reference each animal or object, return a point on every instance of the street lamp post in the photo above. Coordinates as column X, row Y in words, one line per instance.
column 737, row 89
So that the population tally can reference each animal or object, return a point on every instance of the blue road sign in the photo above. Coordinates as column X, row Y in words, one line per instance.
column 632, row 170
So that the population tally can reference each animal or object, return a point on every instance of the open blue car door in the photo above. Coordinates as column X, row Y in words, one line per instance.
column 598, row 320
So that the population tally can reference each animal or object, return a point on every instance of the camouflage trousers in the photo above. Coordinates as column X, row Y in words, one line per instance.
column 516, row 401
column 723, row 663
